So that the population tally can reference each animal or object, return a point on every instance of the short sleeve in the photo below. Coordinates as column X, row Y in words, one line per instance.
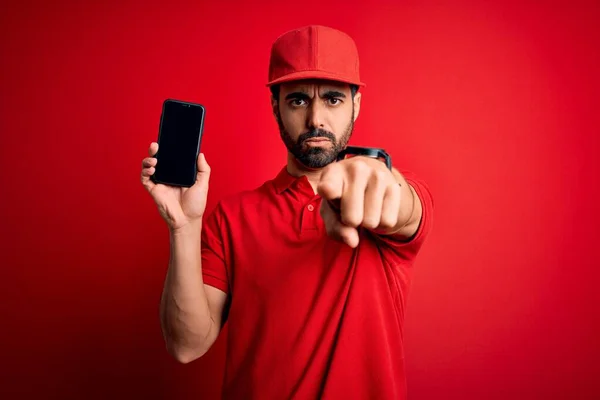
column 405, row 251
column 214, row 264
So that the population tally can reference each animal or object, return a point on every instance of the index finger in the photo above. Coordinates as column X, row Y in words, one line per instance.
column 336, row 229
column 331, row 184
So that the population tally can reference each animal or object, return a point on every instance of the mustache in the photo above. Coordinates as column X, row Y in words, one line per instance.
column 315, row 133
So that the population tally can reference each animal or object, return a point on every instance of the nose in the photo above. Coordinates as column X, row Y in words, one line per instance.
column 316, row 115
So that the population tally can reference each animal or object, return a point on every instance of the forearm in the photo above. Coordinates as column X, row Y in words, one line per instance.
column 184, row 310
column 407, row 202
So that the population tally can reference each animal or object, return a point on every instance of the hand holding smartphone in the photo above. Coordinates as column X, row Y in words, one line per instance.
column 176, row 173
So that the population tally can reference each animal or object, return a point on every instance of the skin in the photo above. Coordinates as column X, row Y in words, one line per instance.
column 190, row 311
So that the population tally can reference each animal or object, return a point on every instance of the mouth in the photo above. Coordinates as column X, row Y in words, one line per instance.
column 317, row 140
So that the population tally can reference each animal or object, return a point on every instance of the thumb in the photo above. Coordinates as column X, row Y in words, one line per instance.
column 203, row 168
column 349, row 235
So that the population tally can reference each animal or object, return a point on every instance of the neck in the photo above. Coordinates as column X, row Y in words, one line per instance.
column 297, row 169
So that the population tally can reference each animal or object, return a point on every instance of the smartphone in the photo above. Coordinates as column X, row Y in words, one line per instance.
column 179, row 139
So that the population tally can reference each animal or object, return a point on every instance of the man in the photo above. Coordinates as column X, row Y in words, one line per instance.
column 311, row 269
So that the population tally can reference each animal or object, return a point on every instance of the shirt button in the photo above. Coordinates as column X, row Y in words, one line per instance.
column 311, row 207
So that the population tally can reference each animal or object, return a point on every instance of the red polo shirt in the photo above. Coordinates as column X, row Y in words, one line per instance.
column 308, row 317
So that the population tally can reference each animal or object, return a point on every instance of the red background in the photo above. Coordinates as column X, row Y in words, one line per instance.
column 496, row 106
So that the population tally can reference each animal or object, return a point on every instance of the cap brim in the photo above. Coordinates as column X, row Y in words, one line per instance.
column 295, row 76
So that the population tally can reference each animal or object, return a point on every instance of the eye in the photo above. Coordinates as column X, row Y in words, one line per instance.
column 298, row 102
column 334, row 101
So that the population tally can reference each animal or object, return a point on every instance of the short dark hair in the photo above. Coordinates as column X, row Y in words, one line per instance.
column 275, row 91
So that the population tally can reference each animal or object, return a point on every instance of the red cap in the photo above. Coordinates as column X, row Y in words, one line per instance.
column 314, row 52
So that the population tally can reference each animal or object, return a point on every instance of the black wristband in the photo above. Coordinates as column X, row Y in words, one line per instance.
column 372, row 152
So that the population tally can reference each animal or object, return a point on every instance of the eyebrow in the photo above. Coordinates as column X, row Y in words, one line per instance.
column 333, row 93
column 297, row 95
column 303, row 95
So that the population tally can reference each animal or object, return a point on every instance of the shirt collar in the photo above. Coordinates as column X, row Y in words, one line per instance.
column 284, row 180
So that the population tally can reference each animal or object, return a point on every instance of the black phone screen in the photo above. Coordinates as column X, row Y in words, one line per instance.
column 179, row 141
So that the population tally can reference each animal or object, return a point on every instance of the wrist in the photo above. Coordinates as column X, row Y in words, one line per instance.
column 192, row 227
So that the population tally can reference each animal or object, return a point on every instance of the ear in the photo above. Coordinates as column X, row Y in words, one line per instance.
column 274, row 106
column 356, row 104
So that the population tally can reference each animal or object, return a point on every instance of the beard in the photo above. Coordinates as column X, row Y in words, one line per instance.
column 315, row 157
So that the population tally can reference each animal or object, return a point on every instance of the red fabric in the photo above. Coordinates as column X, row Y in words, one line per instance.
column 314, row 52
column 309, row 317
